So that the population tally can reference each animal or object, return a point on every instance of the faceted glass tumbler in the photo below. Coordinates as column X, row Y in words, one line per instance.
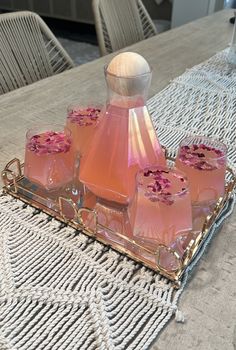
column 204, row 161
column 49, row 160
column 161, row 210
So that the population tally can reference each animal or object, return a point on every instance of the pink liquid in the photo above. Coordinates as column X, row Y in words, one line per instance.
column 161, row 209
column 49, row 161
column 82, row 123
column 205, row 169
column 125, row 141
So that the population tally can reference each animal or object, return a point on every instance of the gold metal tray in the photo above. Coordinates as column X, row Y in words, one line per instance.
column 88, row 219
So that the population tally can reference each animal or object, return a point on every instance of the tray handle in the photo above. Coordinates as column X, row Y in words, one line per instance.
column 10, row 174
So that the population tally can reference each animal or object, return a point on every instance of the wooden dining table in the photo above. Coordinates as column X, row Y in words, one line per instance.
column 209, row 300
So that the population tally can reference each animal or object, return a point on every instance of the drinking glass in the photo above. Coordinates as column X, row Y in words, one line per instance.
column 161, row 209
column 82, row 122
column 49, row 160
column 203, row 160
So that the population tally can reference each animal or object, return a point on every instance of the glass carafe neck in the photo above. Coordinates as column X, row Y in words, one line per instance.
column 127, row 92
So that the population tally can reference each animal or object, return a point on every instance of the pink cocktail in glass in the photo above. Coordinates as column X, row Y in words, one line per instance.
column 203, row 160
column 82, row 122
column 161, row 210
column 49, row 160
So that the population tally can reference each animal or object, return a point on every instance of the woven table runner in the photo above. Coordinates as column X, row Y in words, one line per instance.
column 202, row 101
column 62, row 290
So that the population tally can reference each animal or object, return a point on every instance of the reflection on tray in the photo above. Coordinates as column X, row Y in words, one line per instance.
column 111, row 225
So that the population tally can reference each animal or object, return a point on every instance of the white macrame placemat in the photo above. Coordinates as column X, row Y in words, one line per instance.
column 62, row 290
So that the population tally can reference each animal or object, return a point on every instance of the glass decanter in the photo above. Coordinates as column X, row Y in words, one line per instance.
column 125, row 140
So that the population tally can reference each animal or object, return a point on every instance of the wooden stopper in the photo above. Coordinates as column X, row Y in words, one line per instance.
column 125, row 73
